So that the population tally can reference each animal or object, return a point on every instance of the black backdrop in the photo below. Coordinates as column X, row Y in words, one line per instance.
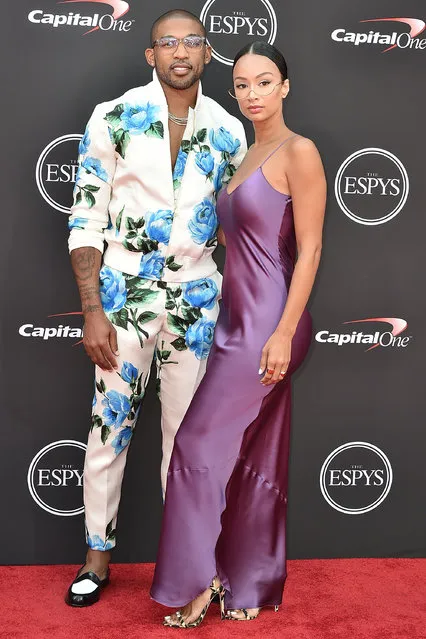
column 357, row 485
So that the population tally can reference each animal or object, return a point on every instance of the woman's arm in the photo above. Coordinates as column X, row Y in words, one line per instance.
column 221, row 236
column 306, row 180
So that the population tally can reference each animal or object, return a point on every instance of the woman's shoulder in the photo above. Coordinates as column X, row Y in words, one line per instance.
column 297, row 150
column 302, row 156
column 301, row 146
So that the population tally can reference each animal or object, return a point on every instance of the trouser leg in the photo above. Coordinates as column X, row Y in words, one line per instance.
column 115, row 410
column 183, row 346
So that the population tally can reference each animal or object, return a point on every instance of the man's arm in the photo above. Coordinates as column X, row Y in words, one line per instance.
column 86, row 264
column 99, row 335
column 88, row 220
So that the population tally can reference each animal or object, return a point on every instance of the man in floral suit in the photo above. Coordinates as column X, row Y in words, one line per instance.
column 150, row 166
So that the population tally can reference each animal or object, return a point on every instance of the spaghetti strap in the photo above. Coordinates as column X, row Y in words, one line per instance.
column 278, row 147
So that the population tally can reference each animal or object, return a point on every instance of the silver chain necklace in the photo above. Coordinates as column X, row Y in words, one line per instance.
column 177, row 120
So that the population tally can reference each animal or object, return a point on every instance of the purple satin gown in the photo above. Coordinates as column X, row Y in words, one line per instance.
column 225, row 507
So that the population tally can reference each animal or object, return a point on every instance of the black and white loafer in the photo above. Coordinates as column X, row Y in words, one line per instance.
column 85, row 590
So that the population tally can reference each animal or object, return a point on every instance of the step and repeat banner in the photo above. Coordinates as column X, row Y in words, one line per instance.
column 357, row 485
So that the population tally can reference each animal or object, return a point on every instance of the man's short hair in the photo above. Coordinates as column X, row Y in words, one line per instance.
column 176, row 13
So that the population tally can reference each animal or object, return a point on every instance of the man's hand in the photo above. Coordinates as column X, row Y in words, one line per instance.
column 100, row 340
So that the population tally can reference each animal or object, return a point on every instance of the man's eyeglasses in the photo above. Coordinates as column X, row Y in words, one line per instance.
column 168, row 43
column 242, row 91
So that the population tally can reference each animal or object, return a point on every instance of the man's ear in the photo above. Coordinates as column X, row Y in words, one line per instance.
column 150, row 58
column 208, row 55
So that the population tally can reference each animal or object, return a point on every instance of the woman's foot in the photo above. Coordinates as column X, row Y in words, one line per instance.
column 195, row 610
column 243, row 614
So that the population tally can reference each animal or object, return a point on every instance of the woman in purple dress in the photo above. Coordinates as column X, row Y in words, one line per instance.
column 224, row 519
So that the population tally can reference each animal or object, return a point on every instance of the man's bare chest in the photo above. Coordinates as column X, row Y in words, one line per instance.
column 176, row 135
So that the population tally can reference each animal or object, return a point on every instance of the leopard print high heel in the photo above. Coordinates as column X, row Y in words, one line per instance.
column 181, row 623
column 230, row 615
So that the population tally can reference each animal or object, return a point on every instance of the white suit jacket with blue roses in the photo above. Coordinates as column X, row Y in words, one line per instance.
column 156, row 224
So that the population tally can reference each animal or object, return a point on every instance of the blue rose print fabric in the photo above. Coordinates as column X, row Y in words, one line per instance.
column 155, row 225
column 172, row 323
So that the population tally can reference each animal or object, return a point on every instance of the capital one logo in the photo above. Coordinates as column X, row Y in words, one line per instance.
column 371, row 186
column 371, row 337
column 230, row 24
column 55, row 478
column 53, row 332
column 390, row 39
column 56, row 171
column 356, row 478
column 105, row 22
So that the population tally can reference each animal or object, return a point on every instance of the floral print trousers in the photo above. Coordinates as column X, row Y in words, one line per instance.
column 172, row 323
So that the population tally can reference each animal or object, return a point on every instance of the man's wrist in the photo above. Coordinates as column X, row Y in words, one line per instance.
column 93, row 308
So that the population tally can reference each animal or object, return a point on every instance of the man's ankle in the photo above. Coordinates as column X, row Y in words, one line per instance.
column 98, row 562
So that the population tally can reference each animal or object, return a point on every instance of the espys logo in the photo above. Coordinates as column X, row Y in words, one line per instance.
column 371, row 186
column 56, row 171
column 106, row 22
column 49, row 332
column 55, row 478
column 377, row 338
column 356, row 478
column 390, row 40
column 231, row 24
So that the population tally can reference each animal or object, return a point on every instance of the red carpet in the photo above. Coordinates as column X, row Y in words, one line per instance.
column 324, row 599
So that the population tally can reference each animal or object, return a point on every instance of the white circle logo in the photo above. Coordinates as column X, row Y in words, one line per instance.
column 231, row 24
column 56, row 171
column 356, row 478
column 371, row 186
column 55, row 478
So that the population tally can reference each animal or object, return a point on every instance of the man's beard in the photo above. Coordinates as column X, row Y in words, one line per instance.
column 180, row 83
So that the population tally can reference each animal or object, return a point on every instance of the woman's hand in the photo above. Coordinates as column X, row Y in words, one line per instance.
column 275, row 360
